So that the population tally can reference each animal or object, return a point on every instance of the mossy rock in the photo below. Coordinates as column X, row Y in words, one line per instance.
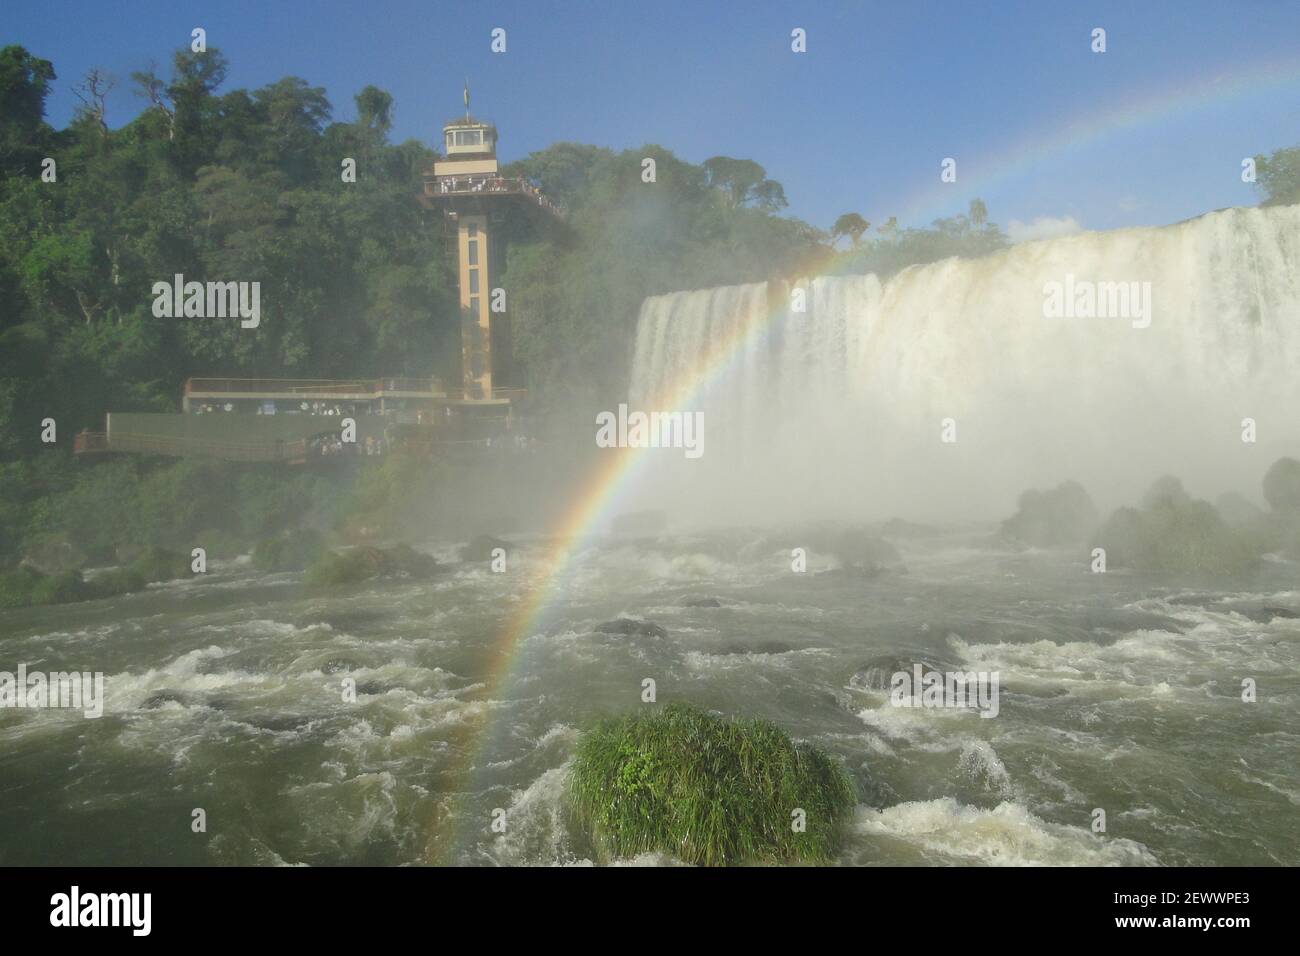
column 362, row 564
column 158, row 564
column 116, row 581
column 707, row 790
column 292, row 551
column 53, row 554
column 220, row 544
column 25, row 587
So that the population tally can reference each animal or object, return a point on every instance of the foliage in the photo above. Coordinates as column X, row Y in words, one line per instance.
column 1060, row 516
column 1174, row 532
column 1282, row 486
column 1278, row 176
column 364, row 563
column 706, row 789
column 292, row 551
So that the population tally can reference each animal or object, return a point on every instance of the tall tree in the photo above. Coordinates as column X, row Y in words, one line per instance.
column 852, row 225
column 1279, row 176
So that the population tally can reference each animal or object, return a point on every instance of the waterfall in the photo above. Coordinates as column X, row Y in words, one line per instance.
column 840, row 407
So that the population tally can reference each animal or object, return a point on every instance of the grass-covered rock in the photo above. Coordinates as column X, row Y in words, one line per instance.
column 27, row 587
column 158, row 564
column 707, row 790
column 361, row 564
column 291, row 551
column 219, row 543
column 52, row 554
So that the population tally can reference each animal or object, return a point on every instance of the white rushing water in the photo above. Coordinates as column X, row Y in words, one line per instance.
column 839, row 409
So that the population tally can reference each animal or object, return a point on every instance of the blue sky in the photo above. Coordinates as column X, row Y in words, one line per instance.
column 1152, row 131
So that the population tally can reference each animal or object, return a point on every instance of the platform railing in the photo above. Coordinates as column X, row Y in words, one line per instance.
column 470, row 185
column 306, row 387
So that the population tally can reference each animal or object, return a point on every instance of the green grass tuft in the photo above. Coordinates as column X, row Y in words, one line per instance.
column 708, row 790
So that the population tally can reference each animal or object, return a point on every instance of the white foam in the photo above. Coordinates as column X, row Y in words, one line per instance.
column 1007, row 835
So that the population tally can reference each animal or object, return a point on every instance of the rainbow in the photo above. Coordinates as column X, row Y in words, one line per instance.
column 596, row 499
column 599, row 496
column 1142, row 110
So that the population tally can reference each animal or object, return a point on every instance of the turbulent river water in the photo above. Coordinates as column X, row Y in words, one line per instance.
column 1118, row 692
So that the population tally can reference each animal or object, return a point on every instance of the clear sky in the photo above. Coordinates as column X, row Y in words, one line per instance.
column 1151, row 131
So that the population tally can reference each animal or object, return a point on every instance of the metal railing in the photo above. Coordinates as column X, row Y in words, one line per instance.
column 305, row 388
column 180, row 446
column 469, row 185
column 308, row 387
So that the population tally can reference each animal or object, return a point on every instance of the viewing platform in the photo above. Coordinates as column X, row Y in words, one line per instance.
column 300, row 421
column 469, row 186
column 199, row 392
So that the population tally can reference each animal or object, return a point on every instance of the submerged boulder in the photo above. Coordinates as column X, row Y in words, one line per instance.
column 701, row 602
column 630, row 627
column 860, row 551
column 481, row 548
column 878, row 672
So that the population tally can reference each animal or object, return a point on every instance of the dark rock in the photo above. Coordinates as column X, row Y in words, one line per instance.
column 481, row 548
column 860, row 551
column 762, row 647
column 1263, row 615
column 166, row 697
column 701, row 602
column 336, row 665
column 53, row 556
column 877, row 673
column 629, row 627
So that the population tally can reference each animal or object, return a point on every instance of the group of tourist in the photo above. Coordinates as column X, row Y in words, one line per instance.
column 494, row 184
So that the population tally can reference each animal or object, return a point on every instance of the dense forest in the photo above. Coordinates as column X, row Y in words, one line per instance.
column 247, row 185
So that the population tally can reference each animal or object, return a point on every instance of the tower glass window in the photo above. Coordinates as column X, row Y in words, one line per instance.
column 473, row 281
column 472, row 248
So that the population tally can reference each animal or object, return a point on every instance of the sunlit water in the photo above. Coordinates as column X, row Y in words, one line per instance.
column 1117, row 692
